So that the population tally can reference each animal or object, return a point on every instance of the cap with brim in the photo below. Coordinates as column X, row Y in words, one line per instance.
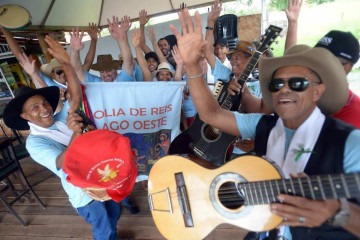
column 319, row 60
column 49, row 67
column 105, row 63
column 13, row 109
column 164, row 66
column 152, row 55
column 242, row 46
column 341, row 44
column 101, row 159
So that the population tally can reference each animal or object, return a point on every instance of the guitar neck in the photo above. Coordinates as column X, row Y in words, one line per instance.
column 226, row 101
column 319, row 187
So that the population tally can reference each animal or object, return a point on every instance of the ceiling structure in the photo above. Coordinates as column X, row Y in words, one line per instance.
column 56, row 16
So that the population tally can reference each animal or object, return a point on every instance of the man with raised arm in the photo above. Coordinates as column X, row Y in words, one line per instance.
column 50, row 135
column 299, row 87
column 105, row 63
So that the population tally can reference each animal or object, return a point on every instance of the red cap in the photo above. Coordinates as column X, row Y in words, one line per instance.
column 101, row 159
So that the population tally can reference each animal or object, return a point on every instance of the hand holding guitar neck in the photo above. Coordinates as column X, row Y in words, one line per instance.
column 88, row 124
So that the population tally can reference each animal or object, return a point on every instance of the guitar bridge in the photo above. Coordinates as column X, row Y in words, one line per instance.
column 183, row 200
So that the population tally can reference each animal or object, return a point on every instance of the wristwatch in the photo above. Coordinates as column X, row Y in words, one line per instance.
column 342, row 216
column 209, row 28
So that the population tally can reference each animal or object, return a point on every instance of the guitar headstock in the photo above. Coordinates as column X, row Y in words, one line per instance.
column 271, row 33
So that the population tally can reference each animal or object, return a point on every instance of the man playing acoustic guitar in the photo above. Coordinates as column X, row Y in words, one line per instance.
column 303, row 87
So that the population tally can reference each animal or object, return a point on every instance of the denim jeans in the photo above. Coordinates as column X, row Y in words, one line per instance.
column 103, row 217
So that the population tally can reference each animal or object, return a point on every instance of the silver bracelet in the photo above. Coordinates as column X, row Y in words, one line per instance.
column 196, row 76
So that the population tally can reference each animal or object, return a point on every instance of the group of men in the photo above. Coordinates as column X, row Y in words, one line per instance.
column 300, row 91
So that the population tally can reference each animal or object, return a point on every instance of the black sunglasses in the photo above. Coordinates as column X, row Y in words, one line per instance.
column 297, row 84
column 59, row 72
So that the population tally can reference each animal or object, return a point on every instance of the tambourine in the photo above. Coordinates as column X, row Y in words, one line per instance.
column 13, row 16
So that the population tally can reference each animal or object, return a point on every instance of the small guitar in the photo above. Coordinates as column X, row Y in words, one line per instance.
column 189, row 201
column 205, row 141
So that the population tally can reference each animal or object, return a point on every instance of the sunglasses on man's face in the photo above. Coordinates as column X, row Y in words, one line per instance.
column 59, row 72
column 297, row 84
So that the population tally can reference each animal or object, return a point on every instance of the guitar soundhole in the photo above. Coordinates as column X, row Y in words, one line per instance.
column 209, row 133
column 229, row 196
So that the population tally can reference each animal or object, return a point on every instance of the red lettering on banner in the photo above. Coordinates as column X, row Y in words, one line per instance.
column 150, row 124
column 138, row 111
column 108, row 113
column 114, row 125
column 161, row 110
column 120, row 112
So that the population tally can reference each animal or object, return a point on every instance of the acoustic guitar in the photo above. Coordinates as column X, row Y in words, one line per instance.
column 202, row 139
column 188, row 201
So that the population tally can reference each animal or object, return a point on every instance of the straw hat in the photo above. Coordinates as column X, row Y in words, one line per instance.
column 49, row 67
column 164, row 66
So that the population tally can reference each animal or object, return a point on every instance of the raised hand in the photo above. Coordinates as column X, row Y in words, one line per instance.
column 293, row 10
column 57, row 50
column 190, row 42
column 215, row 11
column 93, row 31
column 143, row 18
column 26, row 64
column 136, row 38
column 176, row 55
column 151, row 34
column 119, row 29
column 76, row 43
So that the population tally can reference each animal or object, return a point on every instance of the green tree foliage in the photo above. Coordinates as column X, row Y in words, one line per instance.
column 282, row 4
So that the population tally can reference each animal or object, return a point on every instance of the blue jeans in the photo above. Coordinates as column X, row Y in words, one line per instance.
column 103, row 217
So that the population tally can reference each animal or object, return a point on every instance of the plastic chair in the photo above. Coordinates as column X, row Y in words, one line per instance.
column 226, row 27
column 9, row 165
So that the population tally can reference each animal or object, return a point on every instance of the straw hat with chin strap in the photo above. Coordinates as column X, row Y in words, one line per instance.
column 319, row 60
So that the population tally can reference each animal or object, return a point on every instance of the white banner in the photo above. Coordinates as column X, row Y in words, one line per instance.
column 146, row 112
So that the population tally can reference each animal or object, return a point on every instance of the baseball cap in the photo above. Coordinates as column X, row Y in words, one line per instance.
column 341, row 44
column 221, row 41
column 101, row 159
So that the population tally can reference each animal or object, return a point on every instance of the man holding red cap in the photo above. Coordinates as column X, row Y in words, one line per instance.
column 33, row 109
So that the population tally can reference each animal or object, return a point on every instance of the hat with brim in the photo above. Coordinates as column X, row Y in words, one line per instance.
column 341, row 44
column 13, row 109
column 164, row 66
column 105, row 63
column 49, row 67
column 319, row 60
column 242, row 46
column 107, row 163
